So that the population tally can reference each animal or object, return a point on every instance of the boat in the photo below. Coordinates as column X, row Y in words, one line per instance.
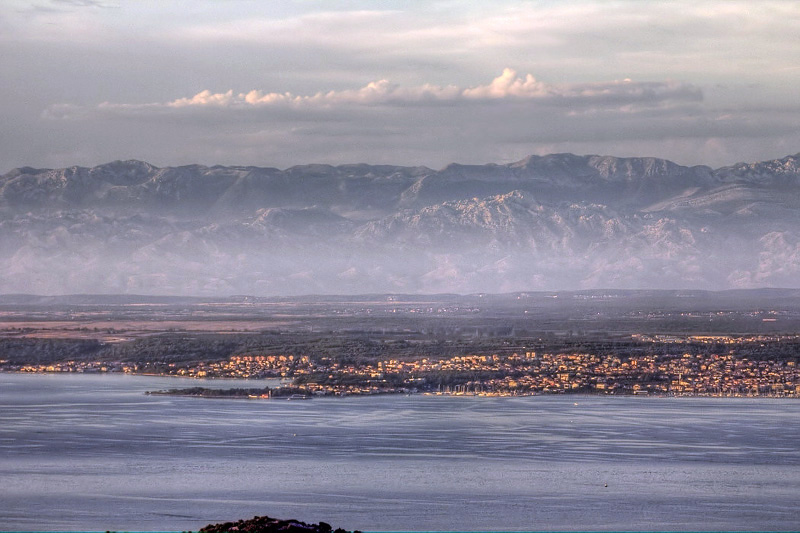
column 299, row 397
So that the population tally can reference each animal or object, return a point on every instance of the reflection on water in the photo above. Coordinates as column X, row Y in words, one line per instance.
column 93, row 452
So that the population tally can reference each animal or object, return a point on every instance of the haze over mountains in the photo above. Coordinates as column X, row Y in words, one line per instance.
column 560, row 221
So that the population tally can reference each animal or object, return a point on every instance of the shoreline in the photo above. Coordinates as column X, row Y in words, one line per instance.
column 327, row 391
column 216, row 393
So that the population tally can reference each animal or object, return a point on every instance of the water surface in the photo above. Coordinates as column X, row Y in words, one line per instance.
column 93, row 452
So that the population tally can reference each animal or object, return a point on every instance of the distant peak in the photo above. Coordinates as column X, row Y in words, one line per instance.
column 130, row 163
column 563, row 157
column 316, row 168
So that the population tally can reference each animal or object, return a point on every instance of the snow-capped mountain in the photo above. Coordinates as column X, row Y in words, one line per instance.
column 559, row 221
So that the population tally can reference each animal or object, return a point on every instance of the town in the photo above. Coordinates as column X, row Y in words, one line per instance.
column 592, row 342
column 513, row 374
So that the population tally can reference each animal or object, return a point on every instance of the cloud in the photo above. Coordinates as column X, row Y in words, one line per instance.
column 503, row 119
column 396, row 81
column 727, row 37
column 84, row 3
column 63, row 6
column 509, row 86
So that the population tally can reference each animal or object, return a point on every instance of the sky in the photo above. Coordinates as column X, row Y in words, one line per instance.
column 281, row 83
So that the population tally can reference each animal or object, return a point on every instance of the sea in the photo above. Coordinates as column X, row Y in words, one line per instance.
column 94, row 452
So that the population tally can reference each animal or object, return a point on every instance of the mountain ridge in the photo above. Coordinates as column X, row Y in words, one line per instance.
column 138, row 183
column 558, row 221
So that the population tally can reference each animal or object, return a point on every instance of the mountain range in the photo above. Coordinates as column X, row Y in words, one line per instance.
column 559, row 221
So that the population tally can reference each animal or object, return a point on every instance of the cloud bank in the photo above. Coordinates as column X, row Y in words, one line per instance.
column 509, row 86
column 282, row 83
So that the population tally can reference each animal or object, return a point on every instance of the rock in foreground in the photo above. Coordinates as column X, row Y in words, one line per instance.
column 265, row 524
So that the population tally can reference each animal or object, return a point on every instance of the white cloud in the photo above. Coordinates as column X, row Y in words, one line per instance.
column 720, row 37
column 396, row 81
column 625, row 95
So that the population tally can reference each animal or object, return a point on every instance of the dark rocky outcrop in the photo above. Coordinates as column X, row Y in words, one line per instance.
column 265, row 524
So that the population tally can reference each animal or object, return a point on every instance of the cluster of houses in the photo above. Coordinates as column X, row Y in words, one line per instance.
column 523, row 373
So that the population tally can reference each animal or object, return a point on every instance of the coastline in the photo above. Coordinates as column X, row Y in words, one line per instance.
column 223, row 393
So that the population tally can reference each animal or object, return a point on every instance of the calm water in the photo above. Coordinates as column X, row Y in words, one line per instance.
column 94, row 453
